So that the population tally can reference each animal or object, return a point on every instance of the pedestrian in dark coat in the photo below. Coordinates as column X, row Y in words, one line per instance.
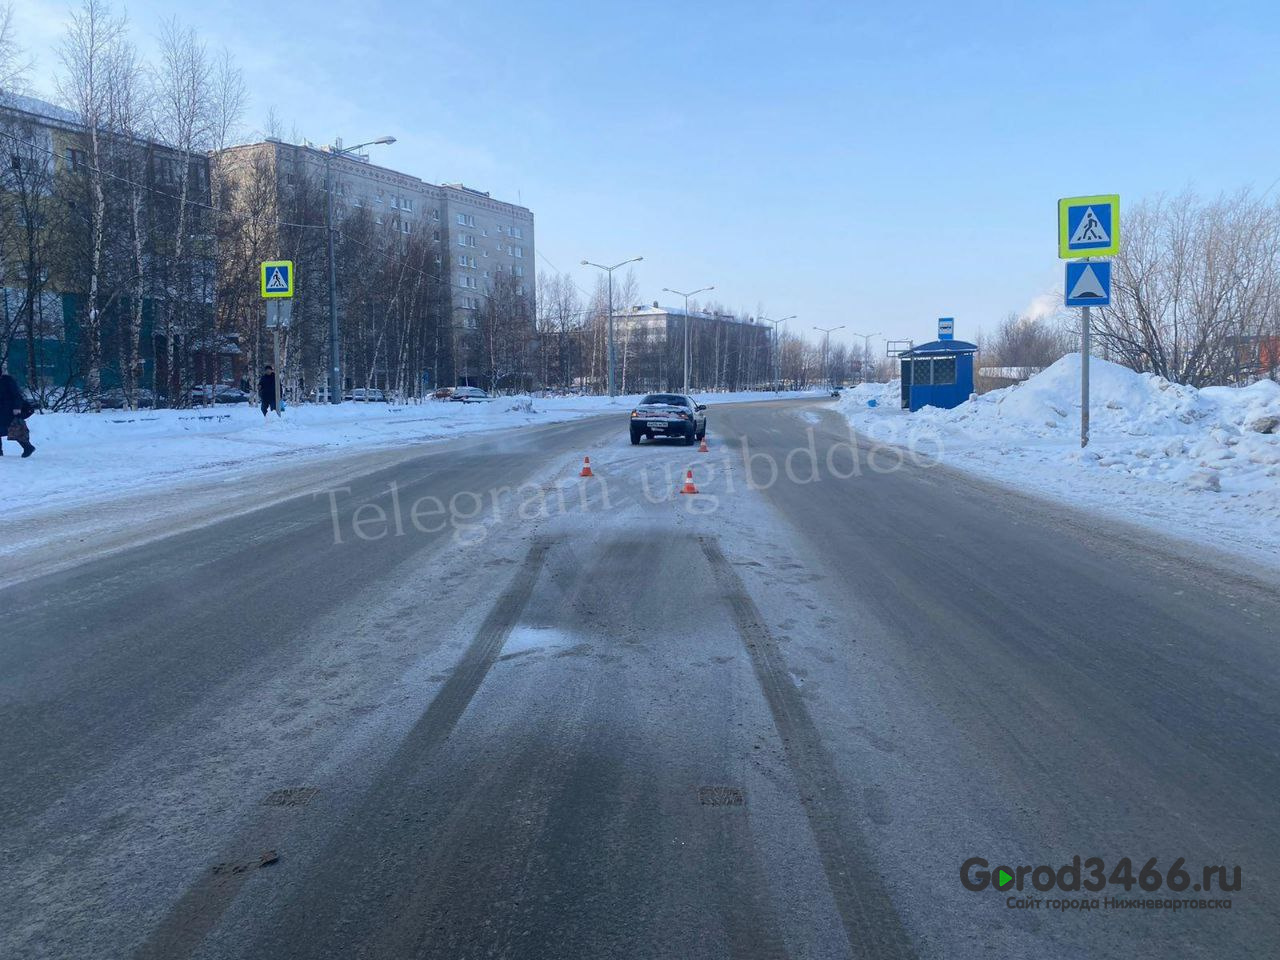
column 267, row 390
column 14, row 410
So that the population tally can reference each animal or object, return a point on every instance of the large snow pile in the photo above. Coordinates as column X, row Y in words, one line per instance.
column 1160, row 451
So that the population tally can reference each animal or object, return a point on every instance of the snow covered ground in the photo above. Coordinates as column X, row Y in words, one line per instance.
column 84, row 457
column 1194, row 463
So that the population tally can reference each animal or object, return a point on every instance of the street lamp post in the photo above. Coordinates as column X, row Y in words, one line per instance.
column 609, row 271
column 826, row 339
column 686, row 326
column 335, row 366
column 777, row 352
column 866, row 351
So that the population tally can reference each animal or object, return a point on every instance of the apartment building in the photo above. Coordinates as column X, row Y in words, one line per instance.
column 481, row 241
column 725, row 352
column 154, row 309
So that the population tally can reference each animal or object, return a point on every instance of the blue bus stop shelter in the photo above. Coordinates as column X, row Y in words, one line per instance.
column 937, row 374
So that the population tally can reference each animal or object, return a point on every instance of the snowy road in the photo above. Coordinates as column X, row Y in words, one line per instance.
column 471, row 705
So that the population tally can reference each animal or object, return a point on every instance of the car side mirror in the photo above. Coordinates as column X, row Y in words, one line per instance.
column 700, row 407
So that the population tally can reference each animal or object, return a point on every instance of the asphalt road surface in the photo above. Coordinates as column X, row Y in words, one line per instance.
column 472, row 705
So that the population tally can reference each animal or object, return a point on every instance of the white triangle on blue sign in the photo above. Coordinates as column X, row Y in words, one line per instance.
column 1090, row 229
column 1087, row 286
column 277, row 281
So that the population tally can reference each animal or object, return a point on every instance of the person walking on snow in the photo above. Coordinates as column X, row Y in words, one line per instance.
column 14, row 411
column 267, row 390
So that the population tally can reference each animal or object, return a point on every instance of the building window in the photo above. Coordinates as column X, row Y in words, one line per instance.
column 435, row 235
column 406, row 204
column 378, row 219
column 406, row 226
column 358, row 202
column 75, row 158
column 517, row 252
column 435, row 214
column 518, row 271
column 522, row 290
column 517, row 233
column 380, row 198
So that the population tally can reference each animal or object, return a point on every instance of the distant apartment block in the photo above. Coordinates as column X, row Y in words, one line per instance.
column 725, row 352
column 480, row 241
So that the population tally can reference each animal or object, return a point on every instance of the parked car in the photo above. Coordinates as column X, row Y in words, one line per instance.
column 367, row 395
column 116, row 400
column 444, row 393
column 469, row 395
column 220, row 393
column 669, row 415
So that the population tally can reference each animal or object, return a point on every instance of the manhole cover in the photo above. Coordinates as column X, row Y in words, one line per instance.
column 720, row 797
column 290, row 797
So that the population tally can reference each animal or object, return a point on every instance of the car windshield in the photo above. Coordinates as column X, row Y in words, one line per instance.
column 943, row 599
column 664, row 399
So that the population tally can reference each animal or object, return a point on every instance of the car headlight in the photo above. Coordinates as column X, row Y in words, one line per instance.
column 635, row 413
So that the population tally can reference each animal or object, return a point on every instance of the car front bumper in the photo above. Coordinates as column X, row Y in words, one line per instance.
column 672, row 428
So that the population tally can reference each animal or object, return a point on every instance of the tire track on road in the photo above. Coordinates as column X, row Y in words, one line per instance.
column 870, row 920
column 198, row 911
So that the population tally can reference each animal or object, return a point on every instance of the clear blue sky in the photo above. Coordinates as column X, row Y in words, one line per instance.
column 875, row 167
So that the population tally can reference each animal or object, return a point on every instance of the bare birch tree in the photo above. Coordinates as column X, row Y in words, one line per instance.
column 1195, row 288
column 89, row 53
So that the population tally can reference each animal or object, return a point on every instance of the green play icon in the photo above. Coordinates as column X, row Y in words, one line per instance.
column 1003, row 879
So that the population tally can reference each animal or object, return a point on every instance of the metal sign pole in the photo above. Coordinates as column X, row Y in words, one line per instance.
column 276, row 364
column 1085, row 343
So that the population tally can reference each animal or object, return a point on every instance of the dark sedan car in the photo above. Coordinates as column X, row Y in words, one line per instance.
column 669, row 415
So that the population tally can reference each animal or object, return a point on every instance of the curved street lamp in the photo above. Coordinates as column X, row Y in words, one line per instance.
column 686, row 326
column 609, row 271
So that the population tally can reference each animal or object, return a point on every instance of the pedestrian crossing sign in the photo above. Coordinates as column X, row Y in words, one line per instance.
column 277, row 279
column 1089, row 226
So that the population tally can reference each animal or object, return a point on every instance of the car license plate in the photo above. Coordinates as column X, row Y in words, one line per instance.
column 657, row 424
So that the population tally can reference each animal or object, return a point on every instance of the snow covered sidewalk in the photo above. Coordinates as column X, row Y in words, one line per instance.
column 1200, row 464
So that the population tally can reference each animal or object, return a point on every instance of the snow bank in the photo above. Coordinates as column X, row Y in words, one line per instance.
column 1201, row 462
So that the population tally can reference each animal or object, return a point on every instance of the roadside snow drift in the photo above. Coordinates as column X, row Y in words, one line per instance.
column 1202, row 463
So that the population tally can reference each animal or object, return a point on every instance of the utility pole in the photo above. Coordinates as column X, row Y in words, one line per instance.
column 335, row 366
column 609, row 270
column 866, row 351
column 686, row 327
column 826, row 339
column 777, row 351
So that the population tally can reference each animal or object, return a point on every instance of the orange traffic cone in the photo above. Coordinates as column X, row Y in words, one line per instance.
column 688, row 483
column 703, row 448
column 586, row 468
